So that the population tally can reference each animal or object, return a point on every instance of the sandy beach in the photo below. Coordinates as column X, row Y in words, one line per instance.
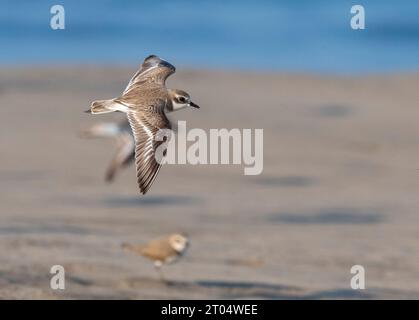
column 339, row 188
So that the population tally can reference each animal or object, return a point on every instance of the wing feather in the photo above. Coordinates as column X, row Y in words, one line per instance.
column 145, row 126
column 153, row 70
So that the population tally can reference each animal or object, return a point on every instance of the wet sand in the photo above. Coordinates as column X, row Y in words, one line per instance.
column 340, row 187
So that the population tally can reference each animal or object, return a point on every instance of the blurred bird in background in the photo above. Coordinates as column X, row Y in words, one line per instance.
column 125, row 145
column 161, row 251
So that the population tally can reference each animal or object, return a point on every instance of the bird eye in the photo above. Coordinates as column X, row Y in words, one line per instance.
column 182, row 99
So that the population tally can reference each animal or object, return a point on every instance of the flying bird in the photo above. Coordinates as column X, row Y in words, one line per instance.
column 161, row 251
column 122, row 135
column 145, row 101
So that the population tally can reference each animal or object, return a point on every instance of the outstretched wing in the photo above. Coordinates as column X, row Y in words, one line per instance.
column 153, row 70
column 146, row 126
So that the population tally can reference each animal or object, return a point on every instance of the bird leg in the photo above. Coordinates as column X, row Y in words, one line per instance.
column 158, row 268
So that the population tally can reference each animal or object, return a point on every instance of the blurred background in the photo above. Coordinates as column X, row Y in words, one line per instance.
column 341, row 152
column 269, row 35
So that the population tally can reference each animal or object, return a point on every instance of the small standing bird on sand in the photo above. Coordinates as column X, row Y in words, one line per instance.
column 161, row 251
column 122, row 134
column 145, row 102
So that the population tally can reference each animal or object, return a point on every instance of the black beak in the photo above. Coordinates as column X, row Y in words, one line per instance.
column 194, row 105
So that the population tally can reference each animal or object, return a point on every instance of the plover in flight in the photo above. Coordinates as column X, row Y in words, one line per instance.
column 145, row 102
column 161, row 251
column 122, row 134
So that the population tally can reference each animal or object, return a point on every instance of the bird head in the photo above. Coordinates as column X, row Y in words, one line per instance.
column 181, row 99
column 179, row 242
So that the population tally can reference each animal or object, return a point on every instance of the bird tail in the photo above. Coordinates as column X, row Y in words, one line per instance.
column 132, row 248
column 102, row 106
column 127, row 246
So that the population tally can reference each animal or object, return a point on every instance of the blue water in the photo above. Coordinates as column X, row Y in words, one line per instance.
column 292, row 35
